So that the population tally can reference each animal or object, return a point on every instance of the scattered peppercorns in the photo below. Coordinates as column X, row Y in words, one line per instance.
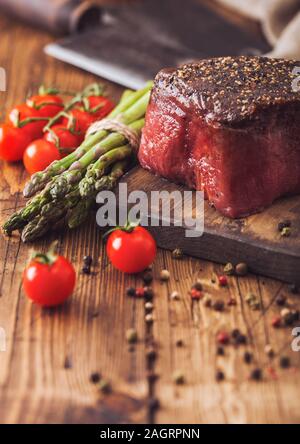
column 223, row 282
column 220, row 376
column 179, row 343
column 220, row 351
column 269, row 351
column 197, row 286
column 228, row 269
column 256, row 374
column 284, row 362
column 140, row 292
column 95, row 377
column 149, row 306
column 241, row 269
column 218, row 305
column 207, row 300
column 231, row 302
column 285, row 232
column 147, row 277
column 151, row 354
column 178, row 377
column 131, row 336
column 253, row 301
column 276, row 321
column 223, row 338
column 148, row 293
column 177, row 254
column 280, row 300
column 196, row 294
column 164, row 275
column 248, row 357
column 175, row 296
column 87, row 262
column 105, row 386
column 130, row 291
column 149, row 318
column 284, row 224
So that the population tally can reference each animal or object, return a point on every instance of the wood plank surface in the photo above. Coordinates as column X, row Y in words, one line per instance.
column 50, row 354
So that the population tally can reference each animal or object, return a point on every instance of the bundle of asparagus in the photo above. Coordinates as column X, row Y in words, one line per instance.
column 66, row 190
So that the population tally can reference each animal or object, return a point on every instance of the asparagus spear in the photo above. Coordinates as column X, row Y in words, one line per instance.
column 39, row 179
column 80, row 212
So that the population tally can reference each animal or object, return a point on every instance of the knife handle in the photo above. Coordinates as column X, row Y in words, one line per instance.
column 57, row 16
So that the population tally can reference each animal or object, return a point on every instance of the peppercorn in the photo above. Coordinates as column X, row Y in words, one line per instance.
column 241, row 339
column 197, row 286
column 223, row 282
column 130, row 291
column 105, row 386
column 256, row 374
column 248, row 357
column 241, row 269
column 285, row 362
column 131, row 335
column 235, row 333
column 220, row 376
column 285, row 232
column 178, row 377
column 95, row 377
column 220, row 351
column 281, row 300
column 149, row 318
column 252, row 301
column 276, row 321
column 151, row 354
column 179, row 343
column 140, row 292
column 177, row 254
column 148, row 293
column 86, row 269
column 196, row 294
column 269, row 351
column 149, row 306
column 164, row 275
column 175, row 296
column 218, row 305
column 228, row 269
column 284, row 224
column 223, row 338
column 87, row 260
column 147, row 277
column 231, row 302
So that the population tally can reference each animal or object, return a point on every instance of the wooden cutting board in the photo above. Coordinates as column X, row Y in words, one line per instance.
column 254, row 240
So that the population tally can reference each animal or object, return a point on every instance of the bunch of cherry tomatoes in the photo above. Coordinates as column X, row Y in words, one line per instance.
column 42, row 130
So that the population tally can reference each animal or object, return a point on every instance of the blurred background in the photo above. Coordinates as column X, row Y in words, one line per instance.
column 128, row 41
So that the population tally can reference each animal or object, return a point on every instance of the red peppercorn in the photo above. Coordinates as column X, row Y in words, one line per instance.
column 223, row 337
column 276, row 321
column 223, row 282
column 232, row 302
column 140, row 292
column 196, row 294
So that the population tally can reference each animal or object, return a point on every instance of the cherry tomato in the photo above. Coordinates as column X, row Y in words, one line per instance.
column 98, row 106
column 22, row 112
column 39, row 154
column 80, row 120
column 131, row 250
column 13, row 142
column 63, row 138
column 49, row 280
column 47, row 105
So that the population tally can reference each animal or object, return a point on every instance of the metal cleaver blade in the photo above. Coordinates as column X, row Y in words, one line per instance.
column 133, row 42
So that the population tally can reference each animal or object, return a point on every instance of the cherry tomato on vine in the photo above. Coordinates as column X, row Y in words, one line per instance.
column 13, row 142
column 131, row 249
column 79, row 120
column 49, row 279
column 47, row 105
column 63, row 138
column 22, row 113
column 98, row 106
column 39, row 154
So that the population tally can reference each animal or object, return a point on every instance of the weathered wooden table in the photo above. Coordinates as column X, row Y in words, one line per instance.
column 50, row 354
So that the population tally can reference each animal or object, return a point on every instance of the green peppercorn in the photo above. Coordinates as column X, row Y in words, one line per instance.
column 229, row 269
column 177, row 254
column 178, row 377
column 131, row 335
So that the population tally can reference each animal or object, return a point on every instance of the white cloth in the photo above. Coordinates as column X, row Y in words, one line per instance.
column 280, row 21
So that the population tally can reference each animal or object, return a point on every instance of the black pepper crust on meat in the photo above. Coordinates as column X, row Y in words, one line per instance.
column 230, row 90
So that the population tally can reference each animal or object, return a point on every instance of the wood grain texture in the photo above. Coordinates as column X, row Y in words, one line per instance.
column 45, row 370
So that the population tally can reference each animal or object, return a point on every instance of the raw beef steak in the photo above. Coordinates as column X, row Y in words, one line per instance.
column 229, row 126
